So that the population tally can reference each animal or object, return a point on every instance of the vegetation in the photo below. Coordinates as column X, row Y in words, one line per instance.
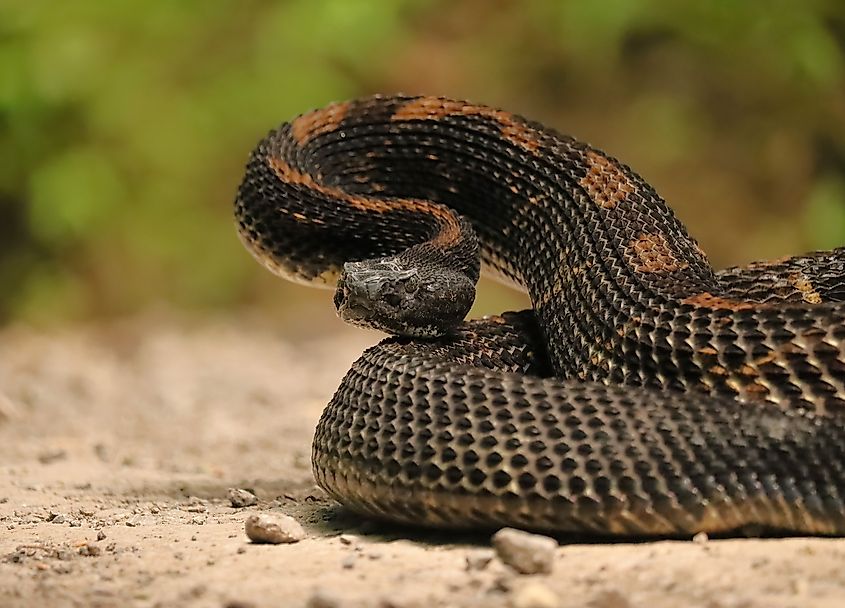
column 124, row 125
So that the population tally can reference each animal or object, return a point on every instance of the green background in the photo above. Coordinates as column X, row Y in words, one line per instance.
column 124, row 126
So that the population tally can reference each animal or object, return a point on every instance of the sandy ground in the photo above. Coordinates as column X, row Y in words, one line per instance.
column 118, row 444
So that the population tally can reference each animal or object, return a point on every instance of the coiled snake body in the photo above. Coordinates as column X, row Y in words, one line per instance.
column 645, row 394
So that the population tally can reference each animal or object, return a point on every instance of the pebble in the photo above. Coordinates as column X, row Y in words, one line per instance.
column 89, row 550
column 51, row 456
column 534, row 595
column 239, row 498
column 478, row 561
column 609, row 599
column 348, row 562
column 101, row 535
column 346, row 539
column 701, row 538
column 322, row 598
column 264, row 528
column 524, row 552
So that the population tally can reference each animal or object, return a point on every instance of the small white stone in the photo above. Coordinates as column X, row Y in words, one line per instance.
column 701, row 538
column 534, row 595
column 524, row 552
column 264, row 528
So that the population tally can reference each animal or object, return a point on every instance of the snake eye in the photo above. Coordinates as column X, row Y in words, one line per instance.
column 411, row 285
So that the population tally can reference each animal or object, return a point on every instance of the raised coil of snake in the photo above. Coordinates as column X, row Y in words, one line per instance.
column 643, row 394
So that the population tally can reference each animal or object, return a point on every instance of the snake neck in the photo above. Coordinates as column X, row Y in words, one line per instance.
column 591, row 241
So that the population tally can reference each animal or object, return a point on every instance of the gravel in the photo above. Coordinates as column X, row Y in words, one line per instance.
column 524, row 552
column 239, row 498
column 273, row 529
column 141, row 386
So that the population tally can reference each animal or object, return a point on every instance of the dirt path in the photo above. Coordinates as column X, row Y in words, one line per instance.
column 118, row 445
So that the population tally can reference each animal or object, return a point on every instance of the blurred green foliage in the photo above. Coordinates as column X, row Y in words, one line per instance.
column 124, row 125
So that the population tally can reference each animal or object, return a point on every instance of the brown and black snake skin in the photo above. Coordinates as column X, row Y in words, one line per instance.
column 645, row 394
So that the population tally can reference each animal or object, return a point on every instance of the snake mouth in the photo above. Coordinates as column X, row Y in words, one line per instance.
column 354, row 312
column 353, row 307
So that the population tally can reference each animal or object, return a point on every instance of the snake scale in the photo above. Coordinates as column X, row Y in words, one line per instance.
column 644, row 393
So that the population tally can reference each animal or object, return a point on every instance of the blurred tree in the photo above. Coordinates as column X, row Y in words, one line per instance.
column 124, row 126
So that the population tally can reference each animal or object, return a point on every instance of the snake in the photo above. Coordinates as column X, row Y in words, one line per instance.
column 643, row 393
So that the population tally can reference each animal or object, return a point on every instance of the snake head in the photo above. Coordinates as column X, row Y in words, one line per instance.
column 403, row 299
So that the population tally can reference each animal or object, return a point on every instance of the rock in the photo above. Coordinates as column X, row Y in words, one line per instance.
column 321, row 598
column 264, row 528
column 89, row 550
column 701, row 538
column 478, row 561
column 346, row 539
column 526, row 553
column 239, row 498
column 534, row 595
column 101, row 535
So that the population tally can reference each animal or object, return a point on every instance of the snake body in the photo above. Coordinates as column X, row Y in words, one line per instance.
column 644, row 394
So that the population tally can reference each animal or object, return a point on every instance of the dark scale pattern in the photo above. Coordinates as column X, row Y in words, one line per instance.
column 683, row 399
column 411, row 437
column 814, row 278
